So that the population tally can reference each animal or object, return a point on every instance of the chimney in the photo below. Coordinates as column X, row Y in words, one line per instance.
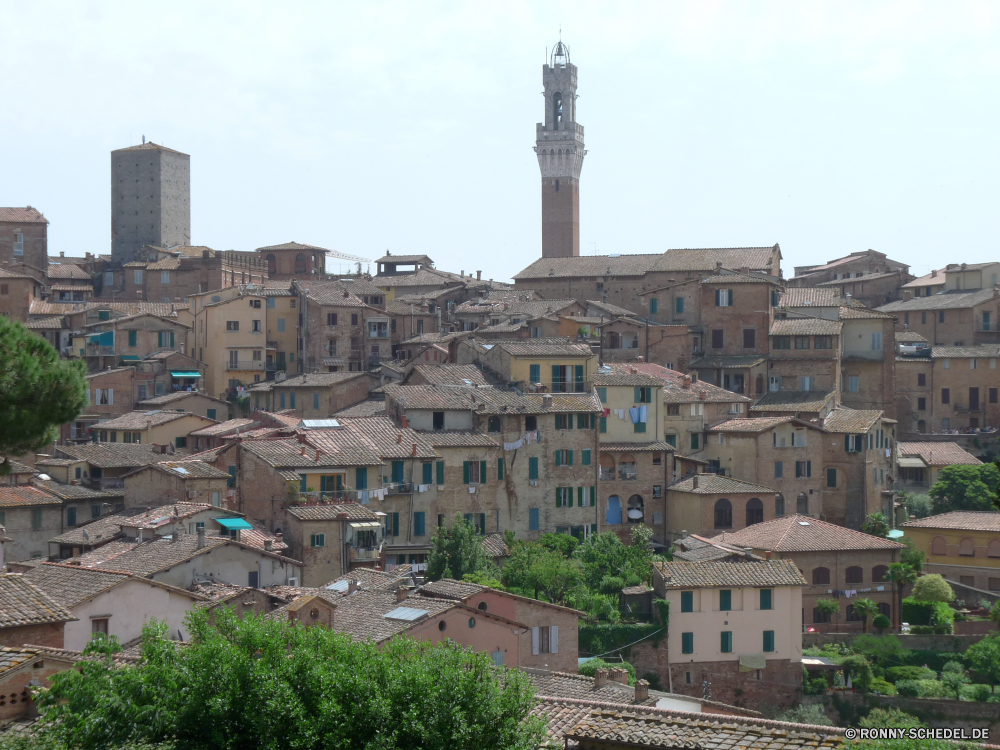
column 547, row 401
column 402, row 593
column 301, row 436
column 303, row 450
column 317, row 455
column 201, row 537
column 702, row 395
column 767, row 554
column 399, row 438
column 694, row 481
column 268, row 545
column 62, row 255
column 600, row 678
column 686, row 382
column 641, row 691
column 934, row 274
column 414, row 449
column 618, row 674
column 634, row 370
column 352, row 586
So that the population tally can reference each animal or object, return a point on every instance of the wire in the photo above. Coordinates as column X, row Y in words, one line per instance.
column 598, row 656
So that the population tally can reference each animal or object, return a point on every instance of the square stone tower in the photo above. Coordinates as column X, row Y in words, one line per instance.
column 150, row 199
column 559, row 147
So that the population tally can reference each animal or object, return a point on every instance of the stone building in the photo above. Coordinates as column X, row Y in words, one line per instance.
column 955, row 317
column 110, row 393
column 166, row 482
column 102, row 465
column 293, row 260
column 152, row 428
column 921, row 463
column 17, row 290
column 837, row 563
column 131, row 338
column 318, row 395
column 163, row 275
column 334, row 334
column 963, row 546
column 150, row 199
column 709, row 504
column 332, row 539
column 556, row 365
column 24, row 237
column 29, row 615
column 805, row 356
column 31, row 516
column 869, row 277
column 192, row 402
column 736, row 626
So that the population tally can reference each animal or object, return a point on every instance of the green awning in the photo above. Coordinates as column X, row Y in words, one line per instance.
column 231, row 524
column 185, row 374
column 128, row 357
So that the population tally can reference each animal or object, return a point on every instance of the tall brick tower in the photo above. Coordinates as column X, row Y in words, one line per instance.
column 559, row 146
column 150, row 199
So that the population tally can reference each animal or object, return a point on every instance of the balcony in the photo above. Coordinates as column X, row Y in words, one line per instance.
column 369, row 554
column 624, row 475
column 92, row 350
column 400, row 488
column 608, row 475
column 108, row 483
column 246, row 364
column 332, row 496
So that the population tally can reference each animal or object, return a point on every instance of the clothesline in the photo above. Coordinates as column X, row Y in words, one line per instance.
column 533, row 436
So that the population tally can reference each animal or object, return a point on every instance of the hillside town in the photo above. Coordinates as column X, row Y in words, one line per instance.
column 296, row 434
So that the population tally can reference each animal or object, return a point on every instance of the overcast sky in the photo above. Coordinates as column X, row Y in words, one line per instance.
column 363, row 126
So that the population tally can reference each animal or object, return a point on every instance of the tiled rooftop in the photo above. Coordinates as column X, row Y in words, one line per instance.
column 319, row 379
column 727, row 361
column 793, row 401
column 339, row 512
column 854, row 421
column 805, row 327
column 369, row 408
column 25, row 494
column 169, row 398
column 459, row 439
column 713, row 484
column 71, row 585
column 113, row 455
column 530, row 348
column 985, row 351
column 751, row 424
column 699, row 549
column 797, row 533
column 240, row 424
column 451, row 374
column 26, row 215
column 22, row 603
column 963, row 520
column 362, row 614
column 449, row 588
column 141, row 420
column 621, row 374
column 955, row 300
column 938, row 454
column 190, row 469
column 906, row 337
column 713, row 573
column 810, row 296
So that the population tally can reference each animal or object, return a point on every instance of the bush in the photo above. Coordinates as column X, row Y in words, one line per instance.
column 811, row 714
column 888, row 717
column 815, row 685
column 930, row 689
column 590, row 667
column 922, row 630
column 917, row 612
column 883, row 687
column 908, row 688
column 895, row 674
column 612, row 585
column 917, row 505
column 881, row 622
column 881, row 648
column 861, row 672
column 979, row 693
column 933, row 588
column 942, row 618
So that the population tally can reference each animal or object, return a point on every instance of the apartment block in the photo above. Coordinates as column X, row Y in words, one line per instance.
column 24, row 237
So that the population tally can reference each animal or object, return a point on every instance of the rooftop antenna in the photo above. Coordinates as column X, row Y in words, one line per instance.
column 144, row 139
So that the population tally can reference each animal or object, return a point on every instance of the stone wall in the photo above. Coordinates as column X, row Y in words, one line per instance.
column 846, row 708
column 778, row 685
column 954, row 644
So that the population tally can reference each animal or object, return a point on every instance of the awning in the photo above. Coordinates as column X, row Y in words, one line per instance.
column 365, row 525
column 185, row 374
column 911, row 462
column 896, row 534
column 334, row 362
column 128, row 357
column 750, row 662
column 232, row 524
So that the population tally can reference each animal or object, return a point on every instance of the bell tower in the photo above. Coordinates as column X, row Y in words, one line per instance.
column 559, row 147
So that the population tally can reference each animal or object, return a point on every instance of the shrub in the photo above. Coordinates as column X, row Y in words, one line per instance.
column 979, row 693
column 916, row 612
column 881, row 622
column 942, row 618
column 922, row 630
column 811, row 714
column 917, row 505
column 881, row 648
column 907, row 688
column 895, row 674
column 588, row 668
column 612, row 584
column 883, row 687
column 860, row 670
column 932, row 588
column 888, row 717
column 930, row 689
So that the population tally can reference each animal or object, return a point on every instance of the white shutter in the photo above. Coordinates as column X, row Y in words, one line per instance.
column 89, row 399
column 534, row 641
column 111, row 395
column 554, row 639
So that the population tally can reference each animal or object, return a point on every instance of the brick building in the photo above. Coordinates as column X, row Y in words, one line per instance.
column 24, row 237
column 330, row 540
column 166, row 482
column 335, row 330
column 17, row 290
column 293, row 260
column 708, row 504
column 318, row 395
column 954, row 317
column 29, row 615
column 921, row 463
column 31, row 516
column 837, row 563
column 152, row 428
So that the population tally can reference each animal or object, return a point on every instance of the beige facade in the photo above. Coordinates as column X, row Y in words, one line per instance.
column 707, row 504
column 152, row 428
column 230, row 337
column 318, row 395
column 176, row 481
column 962, row 546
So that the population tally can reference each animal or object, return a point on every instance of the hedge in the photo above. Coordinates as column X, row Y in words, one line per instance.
column 917, row 613
column 600, row 638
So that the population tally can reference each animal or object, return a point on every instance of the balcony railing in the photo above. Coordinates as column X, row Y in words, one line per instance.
column 963, row 409
column 246, row 364
column 364, row 553
column 627, row 475
column 92, row 350
column 608, row 475
column 399, row 488
column 109, row 483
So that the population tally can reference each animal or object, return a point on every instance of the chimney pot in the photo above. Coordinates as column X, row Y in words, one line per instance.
column 694, row 482
column 600, row 678
column 934, row 274
column 767, row 554
column 402, row 593
column 268, row 545
column 352, row 586
column 641, row 691
column 399, row 438
column 414, row 449
column 303, row 449
column 201, row 537
column 317, row 455
column 619, row 674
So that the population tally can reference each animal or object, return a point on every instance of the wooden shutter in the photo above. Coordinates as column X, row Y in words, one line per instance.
column 465, row 471
column 440, row 472
column 534, row 641
column 482, row 472
column 553, row 639
column 500, row 469
column 579, row 497
column 571, row 458
column 558, row 497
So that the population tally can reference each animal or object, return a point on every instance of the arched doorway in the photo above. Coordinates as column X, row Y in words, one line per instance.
column 614, row 512
column 607, row 462
column 626, row 466
column 755, row 511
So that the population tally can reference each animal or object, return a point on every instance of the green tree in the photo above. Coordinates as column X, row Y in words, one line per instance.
column 867, row 609
column 556, row 576
column 954, row 678
column 860, row 670
column 829, row 608
column 38, row 391
column 984, row 658
column 917, row 505
column 520, row 572
column 995, row 612
column 876, row 524
column 564, row 544
column 260, row 683
column 901, row 576
column 912, row 555
column 889, row 717
column 932, row 588
column 457, row 550
column 965, row 487
column 604, row 555
column 881, row 649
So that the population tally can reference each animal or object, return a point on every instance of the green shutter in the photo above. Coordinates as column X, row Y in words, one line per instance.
column 579, row 497
column 571, row 458
column 535, row 375
column 586, row 457
column 533, row 467
column 171, row 339
column 482, row 472
column 639, row 427
column 579, row 378
column 558, row 497
column 556, row 376
column 569, row 421
column 831, row 477
column 847, row 443
column 604, row 424
column 419, row 526
column 687, row 643
column 638, row 395
column 428, row 476
column 397, row 472
column 302, row 483
column 210, row 413
column 768, row 641
column 440, row 472
column 232, row 477
column 602, row 393
column 730, row 297
column 500, row 469
column 687, row 601
column 725, row 600
column 133, row 337
column 558, row 458
column 765, row 598
column 361, row 478
column 652, row 305
column 466, row 471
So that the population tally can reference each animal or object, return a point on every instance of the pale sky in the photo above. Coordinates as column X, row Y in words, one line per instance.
column 829, row 128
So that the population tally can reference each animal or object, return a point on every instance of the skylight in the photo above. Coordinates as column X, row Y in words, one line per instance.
column 406, row 614
column 803, row 523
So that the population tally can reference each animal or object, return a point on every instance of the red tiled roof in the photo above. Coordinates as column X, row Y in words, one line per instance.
column 963, row 520
column 798, row 533
column 26, row 215
column 938, row 454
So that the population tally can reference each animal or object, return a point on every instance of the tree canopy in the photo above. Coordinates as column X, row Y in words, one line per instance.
column 965, row 487
column 38, row 391
column 984, row 658
column 932, row 588
column 260, row 683
column 457, row 551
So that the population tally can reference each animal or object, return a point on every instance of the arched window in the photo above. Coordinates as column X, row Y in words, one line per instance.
column 759, row 388
column 852, row 616
column 779, row 505
column 878, row 573
column 272, row 264
column 755, row 511
column 967, row 547
column 635, row 509
column 821, row 575
column 802, row 504
column 626, row 466
column 939, row 546
column 301, row 265
column 614, row 514
column 493, row 424
column 855, row 574
column 614, row 340
column 607, row 462
column 993, row 550
column 723, row 514
column 885, row 609
column 557, row 110
column 921, row 426
column 819, row 616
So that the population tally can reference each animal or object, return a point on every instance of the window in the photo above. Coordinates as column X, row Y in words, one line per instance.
column 973, row 364
column 946, row 363
column 331, row 319
column 474, row 472
column 317, row 540
column 687, row 601
column 419, row 523
column 802, row 342
column 967, row 548
column 879, row 572
column 807, row 383
column 105, row 396
column 679, row 305
column 354, row 319
column 639, row 427
column 71, row 516
column 643, row 395
column 782, row 342
column 766, row 598
column 717, row 338
column 749, row 338
column 755, row 511
column 941, row 316
column 853, row 383
column 855, row 574
column 653, row 306
column 768, row 641
column 361, row 478
column 723, row 297
column 831, row 477
column 255, row 326
column 993, row 395
column 533, row 467
column 945, row 395
column 821, row 576
column 564, row 457
column 583, row 422
column 727, row 642
column 986, row 321
column 232, row 325
column 725, row 600
column 695, row 441
column 823, row 342
column 585, row 460
column 564, row 421
column 532, row 519
column 723, row 514
column 820, row 617
column 36, row 518
column 18, row 244
column 439, row 469
column 779, row 469
column 215, row 498
column 687, row 644
column 164, row 277
column 391, row 525
column 876, row 342
column 803, row 469
column 99, row 626
column 438, row 420
column 922, row 402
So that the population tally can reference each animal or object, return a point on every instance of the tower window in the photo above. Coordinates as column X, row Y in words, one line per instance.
column 557, row 186
column 557, row 107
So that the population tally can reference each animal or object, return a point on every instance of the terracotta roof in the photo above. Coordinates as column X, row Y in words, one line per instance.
column 698, row 549
column 713, row 573
column 861, row 313
column 903, row 337
column 11, row 658
column 856, row 421
column 544, row 348
column 424, row 277
column 288, row 452
column 608, row 308
column 621, row 374
column 76, row 491
column 805, row 327
column 727, row 361
column 449, row 588
column 188, row 469
column 148, row 146
column 713, row 484
column 740, row 278
column 25, row 494
column 459, row 439
column 626, row 447
column 340, row 512
column 793, row 401
column 938, row 454
column 291, row 246
column 362, row 614
column 331, row 293
column 112, row 455
column 985, row 351
column 934, row 278
column 953, row 300
column 451, row 374
column 863, row 279
column 103, row 529
column 404, row 259
column 495, row 546
column 369, row 408
column 26, row 215
column 71, row 585
column 16, row 467
column 67, row 272
column 751, row 424
column 47, row 323
column 674, row 391
column 241, row 424
column 963, row 520
column 22, row 603
column 318, row 379
column 378, row 579
column 140, row 420
column 707, row 259
column 72, row 288
column 810, row 296
column 169, row 398
column 797, row 533
column 591, row 265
